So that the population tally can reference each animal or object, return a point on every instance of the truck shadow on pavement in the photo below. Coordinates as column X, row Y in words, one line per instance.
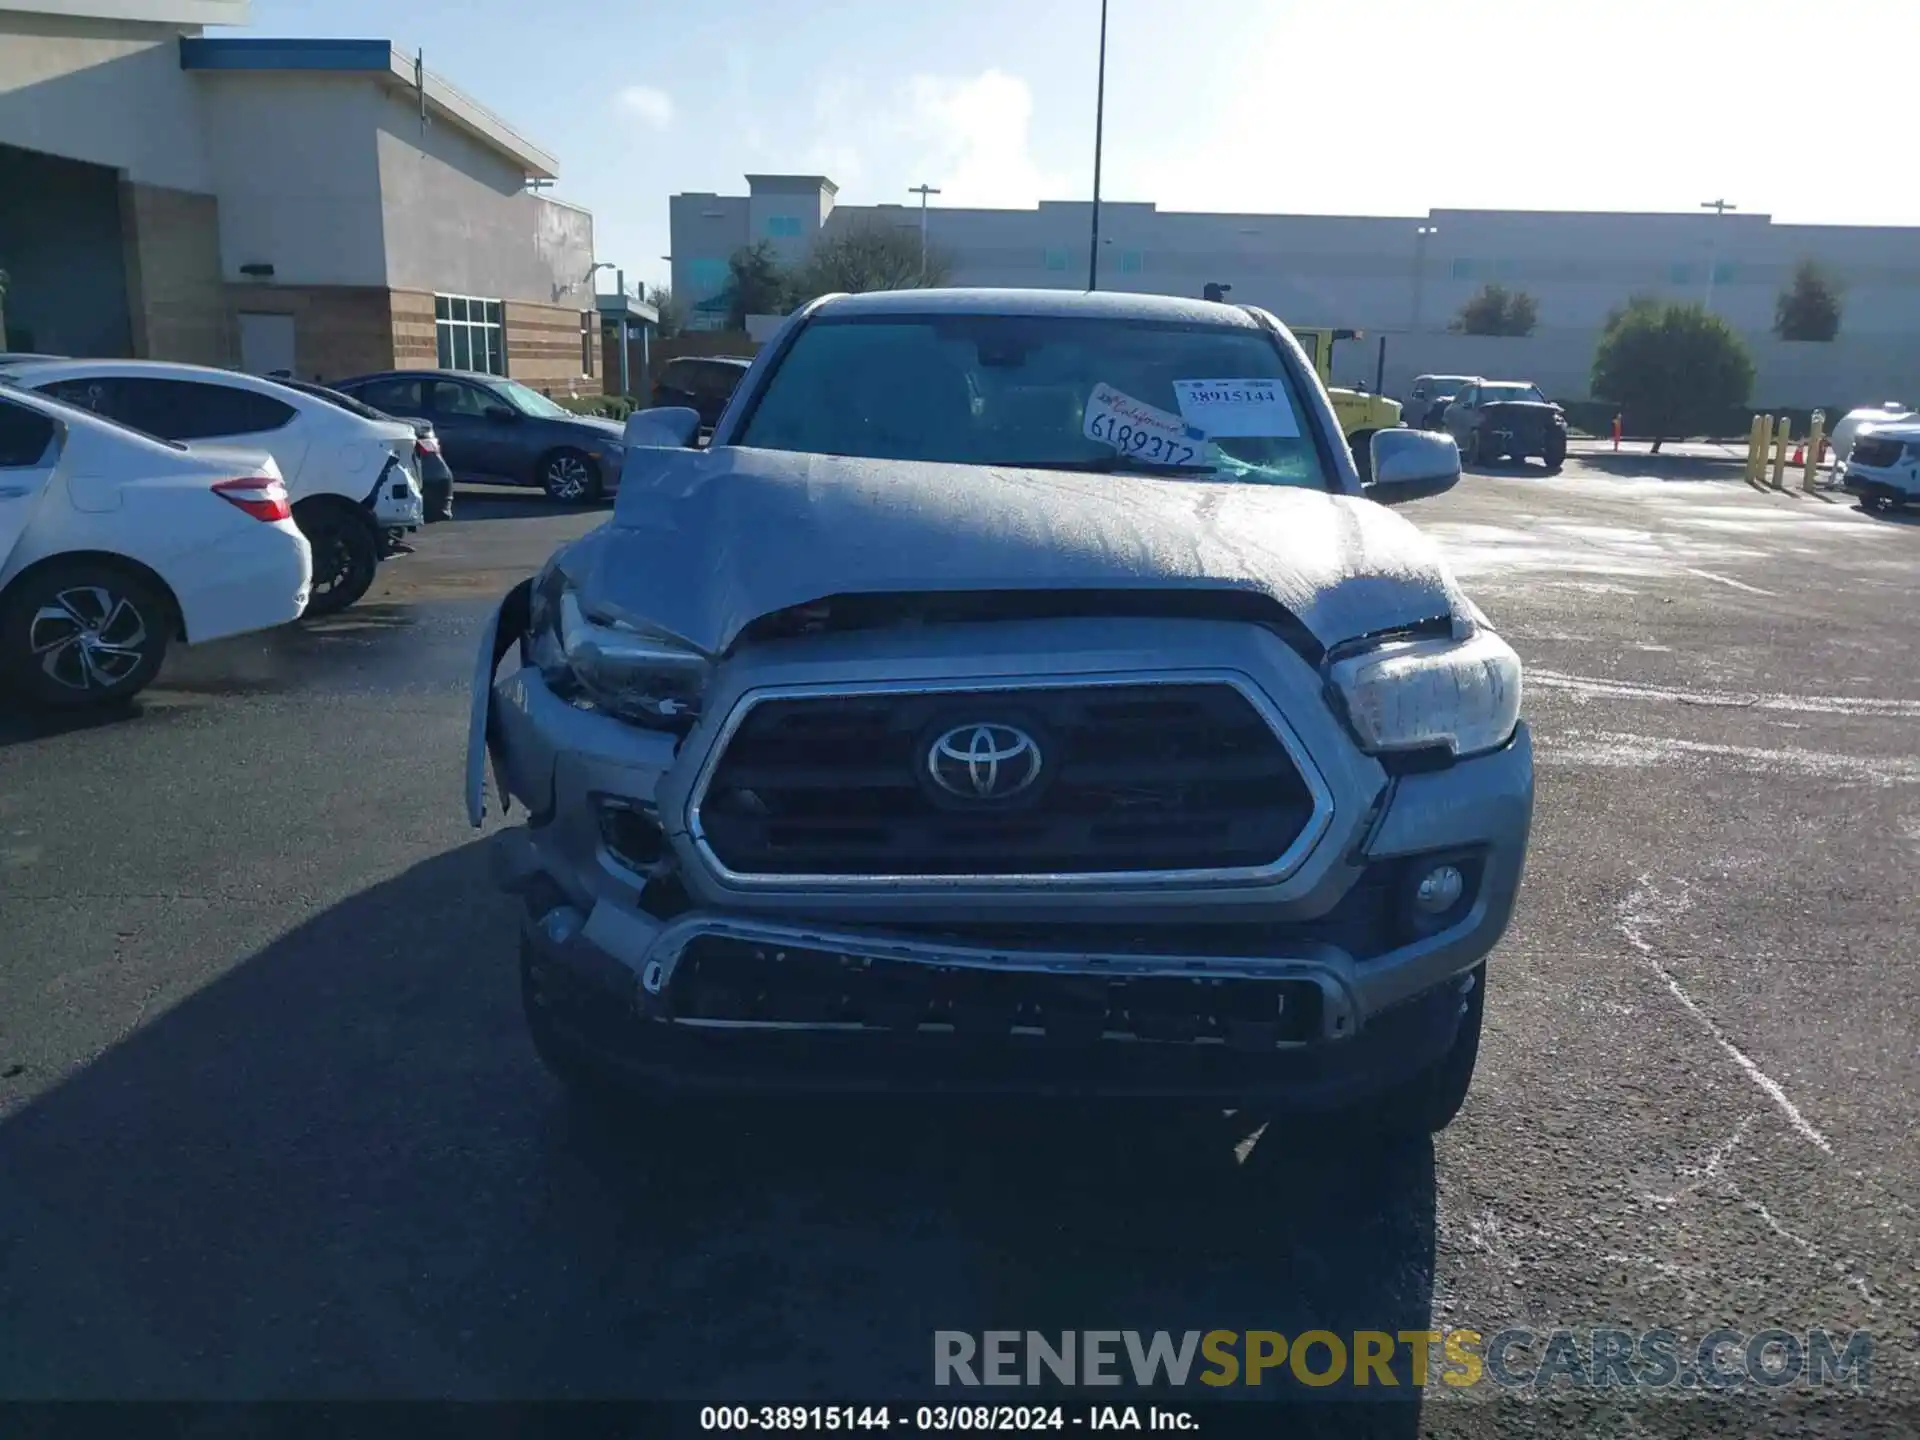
column 338, row 1171
column 1642, row 466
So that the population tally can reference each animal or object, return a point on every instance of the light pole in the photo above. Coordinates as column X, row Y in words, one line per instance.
column 923, row 190
column 1719, row 207
column 1420, row 234
column 1099, row 124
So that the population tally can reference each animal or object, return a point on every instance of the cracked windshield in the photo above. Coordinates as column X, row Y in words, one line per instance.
column 929, row 719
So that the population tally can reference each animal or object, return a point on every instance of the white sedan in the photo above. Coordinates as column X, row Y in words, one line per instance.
column 113, row 544
column 353, row 481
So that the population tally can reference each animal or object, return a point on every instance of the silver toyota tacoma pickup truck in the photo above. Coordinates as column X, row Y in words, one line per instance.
column 1019, row 693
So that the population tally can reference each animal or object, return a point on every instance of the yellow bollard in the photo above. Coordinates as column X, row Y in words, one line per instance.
column 1816, row 438
column 1785, row 434
column 1757, row 455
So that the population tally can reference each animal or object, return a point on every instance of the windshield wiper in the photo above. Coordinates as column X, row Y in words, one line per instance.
column 1109, row 465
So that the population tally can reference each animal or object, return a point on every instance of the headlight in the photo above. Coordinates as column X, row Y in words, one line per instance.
column 639, row 674
column 1462, row 693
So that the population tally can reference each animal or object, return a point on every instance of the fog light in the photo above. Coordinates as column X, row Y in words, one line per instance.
column 631, row 833
column 561, row 924
column 1439, row 890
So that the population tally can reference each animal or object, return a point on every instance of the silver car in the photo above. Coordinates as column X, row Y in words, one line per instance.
column 1019, row 693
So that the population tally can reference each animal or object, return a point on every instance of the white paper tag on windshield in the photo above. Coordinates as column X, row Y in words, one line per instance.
column 1136, row 428
column 1237, row 407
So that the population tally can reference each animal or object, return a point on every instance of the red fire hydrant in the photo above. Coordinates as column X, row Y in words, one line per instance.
column 1616, row 433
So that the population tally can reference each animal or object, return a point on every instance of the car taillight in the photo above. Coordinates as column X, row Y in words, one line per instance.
column 428, row 445
column 260, row 497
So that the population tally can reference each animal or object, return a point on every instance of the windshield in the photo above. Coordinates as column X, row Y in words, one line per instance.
column 1046, row 392
column 1494, row 394
column 530, row 402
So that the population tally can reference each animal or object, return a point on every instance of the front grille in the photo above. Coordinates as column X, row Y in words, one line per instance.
column 1132, row 778
column 1870, row 450
column 738, row 982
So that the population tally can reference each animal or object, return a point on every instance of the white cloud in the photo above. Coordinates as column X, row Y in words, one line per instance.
column 648, row 105
column 970, row 136
column 973, row 138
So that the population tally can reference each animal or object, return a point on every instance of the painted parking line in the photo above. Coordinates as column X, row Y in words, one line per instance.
column 1625, row 750
column 1591, row 687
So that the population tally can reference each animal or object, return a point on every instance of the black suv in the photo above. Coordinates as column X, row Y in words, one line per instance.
column 1506, row 419
column 495, row 431
column 704, row 383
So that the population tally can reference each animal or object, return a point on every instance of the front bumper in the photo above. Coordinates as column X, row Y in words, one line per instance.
column 1312, row 985
column 587, row 995
column 1899, row 482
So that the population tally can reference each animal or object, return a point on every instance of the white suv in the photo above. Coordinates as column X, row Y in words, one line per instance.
column 352, row 480
column 1883, row 466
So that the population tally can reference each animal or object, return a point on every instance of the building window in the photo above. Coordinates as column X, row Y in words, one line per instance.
column 783, row 226
column 1680, row 272
column 1724, row 272
column 1463, row 269
column 586, row 344
column 707, row 274
column 1131, row 261
column 1055, row 259
column 470, row 334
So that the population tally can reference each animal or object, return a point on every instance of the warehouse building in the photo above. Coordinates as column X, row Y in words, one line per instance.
column 320, row 206
column 1403, row 279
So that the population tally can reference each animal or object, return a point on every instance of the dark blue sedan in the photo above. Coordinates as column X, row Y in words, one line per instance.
column 495, row 431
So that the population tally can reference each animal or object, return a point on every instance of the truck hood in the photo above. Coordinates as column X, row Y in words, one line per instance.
column 702, row 543
column 1518, row 408
column 1905, row 431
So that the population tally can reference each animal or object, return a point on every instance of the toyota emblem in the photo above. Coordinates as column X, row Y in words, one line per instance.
column 984, row 762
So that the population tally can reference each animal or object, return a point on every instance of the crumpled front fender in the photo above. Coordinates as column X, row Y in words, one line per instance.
column 500, row 634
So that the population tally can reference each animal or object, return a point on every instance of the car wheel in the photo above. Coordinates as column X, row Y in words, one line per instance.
column 346, row 554
column 1427, row 1103
column 570, row 477
column 595, row 1093
column 83, row 632
column 1555, row 455
column 1878, row 501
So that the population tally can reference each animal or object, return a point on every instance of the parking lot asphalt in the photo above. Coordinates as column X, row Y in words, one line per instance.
column 269, row 1125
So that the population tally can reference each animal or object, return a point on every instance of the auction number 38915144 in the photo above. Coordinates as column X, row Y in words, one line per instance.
column 925, row 1418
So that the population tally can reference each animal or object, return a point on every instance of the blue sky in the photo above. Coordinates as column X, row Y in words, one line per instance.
column 1321, row 107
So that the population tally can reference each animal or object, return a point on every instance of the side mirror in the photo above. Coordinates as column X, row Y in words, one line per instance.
column 501, row 412
column 1411, row 465
column 662, row 427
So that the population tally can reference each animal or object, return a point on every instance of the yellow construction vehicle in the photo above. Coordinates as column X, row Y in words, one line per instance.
column 1359, row 413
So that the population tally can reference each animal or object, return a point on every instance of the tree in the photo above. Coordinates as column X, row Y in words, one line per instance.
column 1674, row 370
column 672, row 322
column 1497, row 310
column 871, row 256
column 1809, row 307
column 757, row 284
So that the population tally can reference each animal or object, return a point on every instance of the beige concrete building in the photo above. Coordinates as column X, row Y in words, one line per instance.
column 321, row 206
column 1399, row 278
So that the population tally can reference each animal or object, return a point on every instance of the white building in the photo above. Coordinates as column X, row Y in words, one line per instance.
column 1384, row 276
column 314, row 205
